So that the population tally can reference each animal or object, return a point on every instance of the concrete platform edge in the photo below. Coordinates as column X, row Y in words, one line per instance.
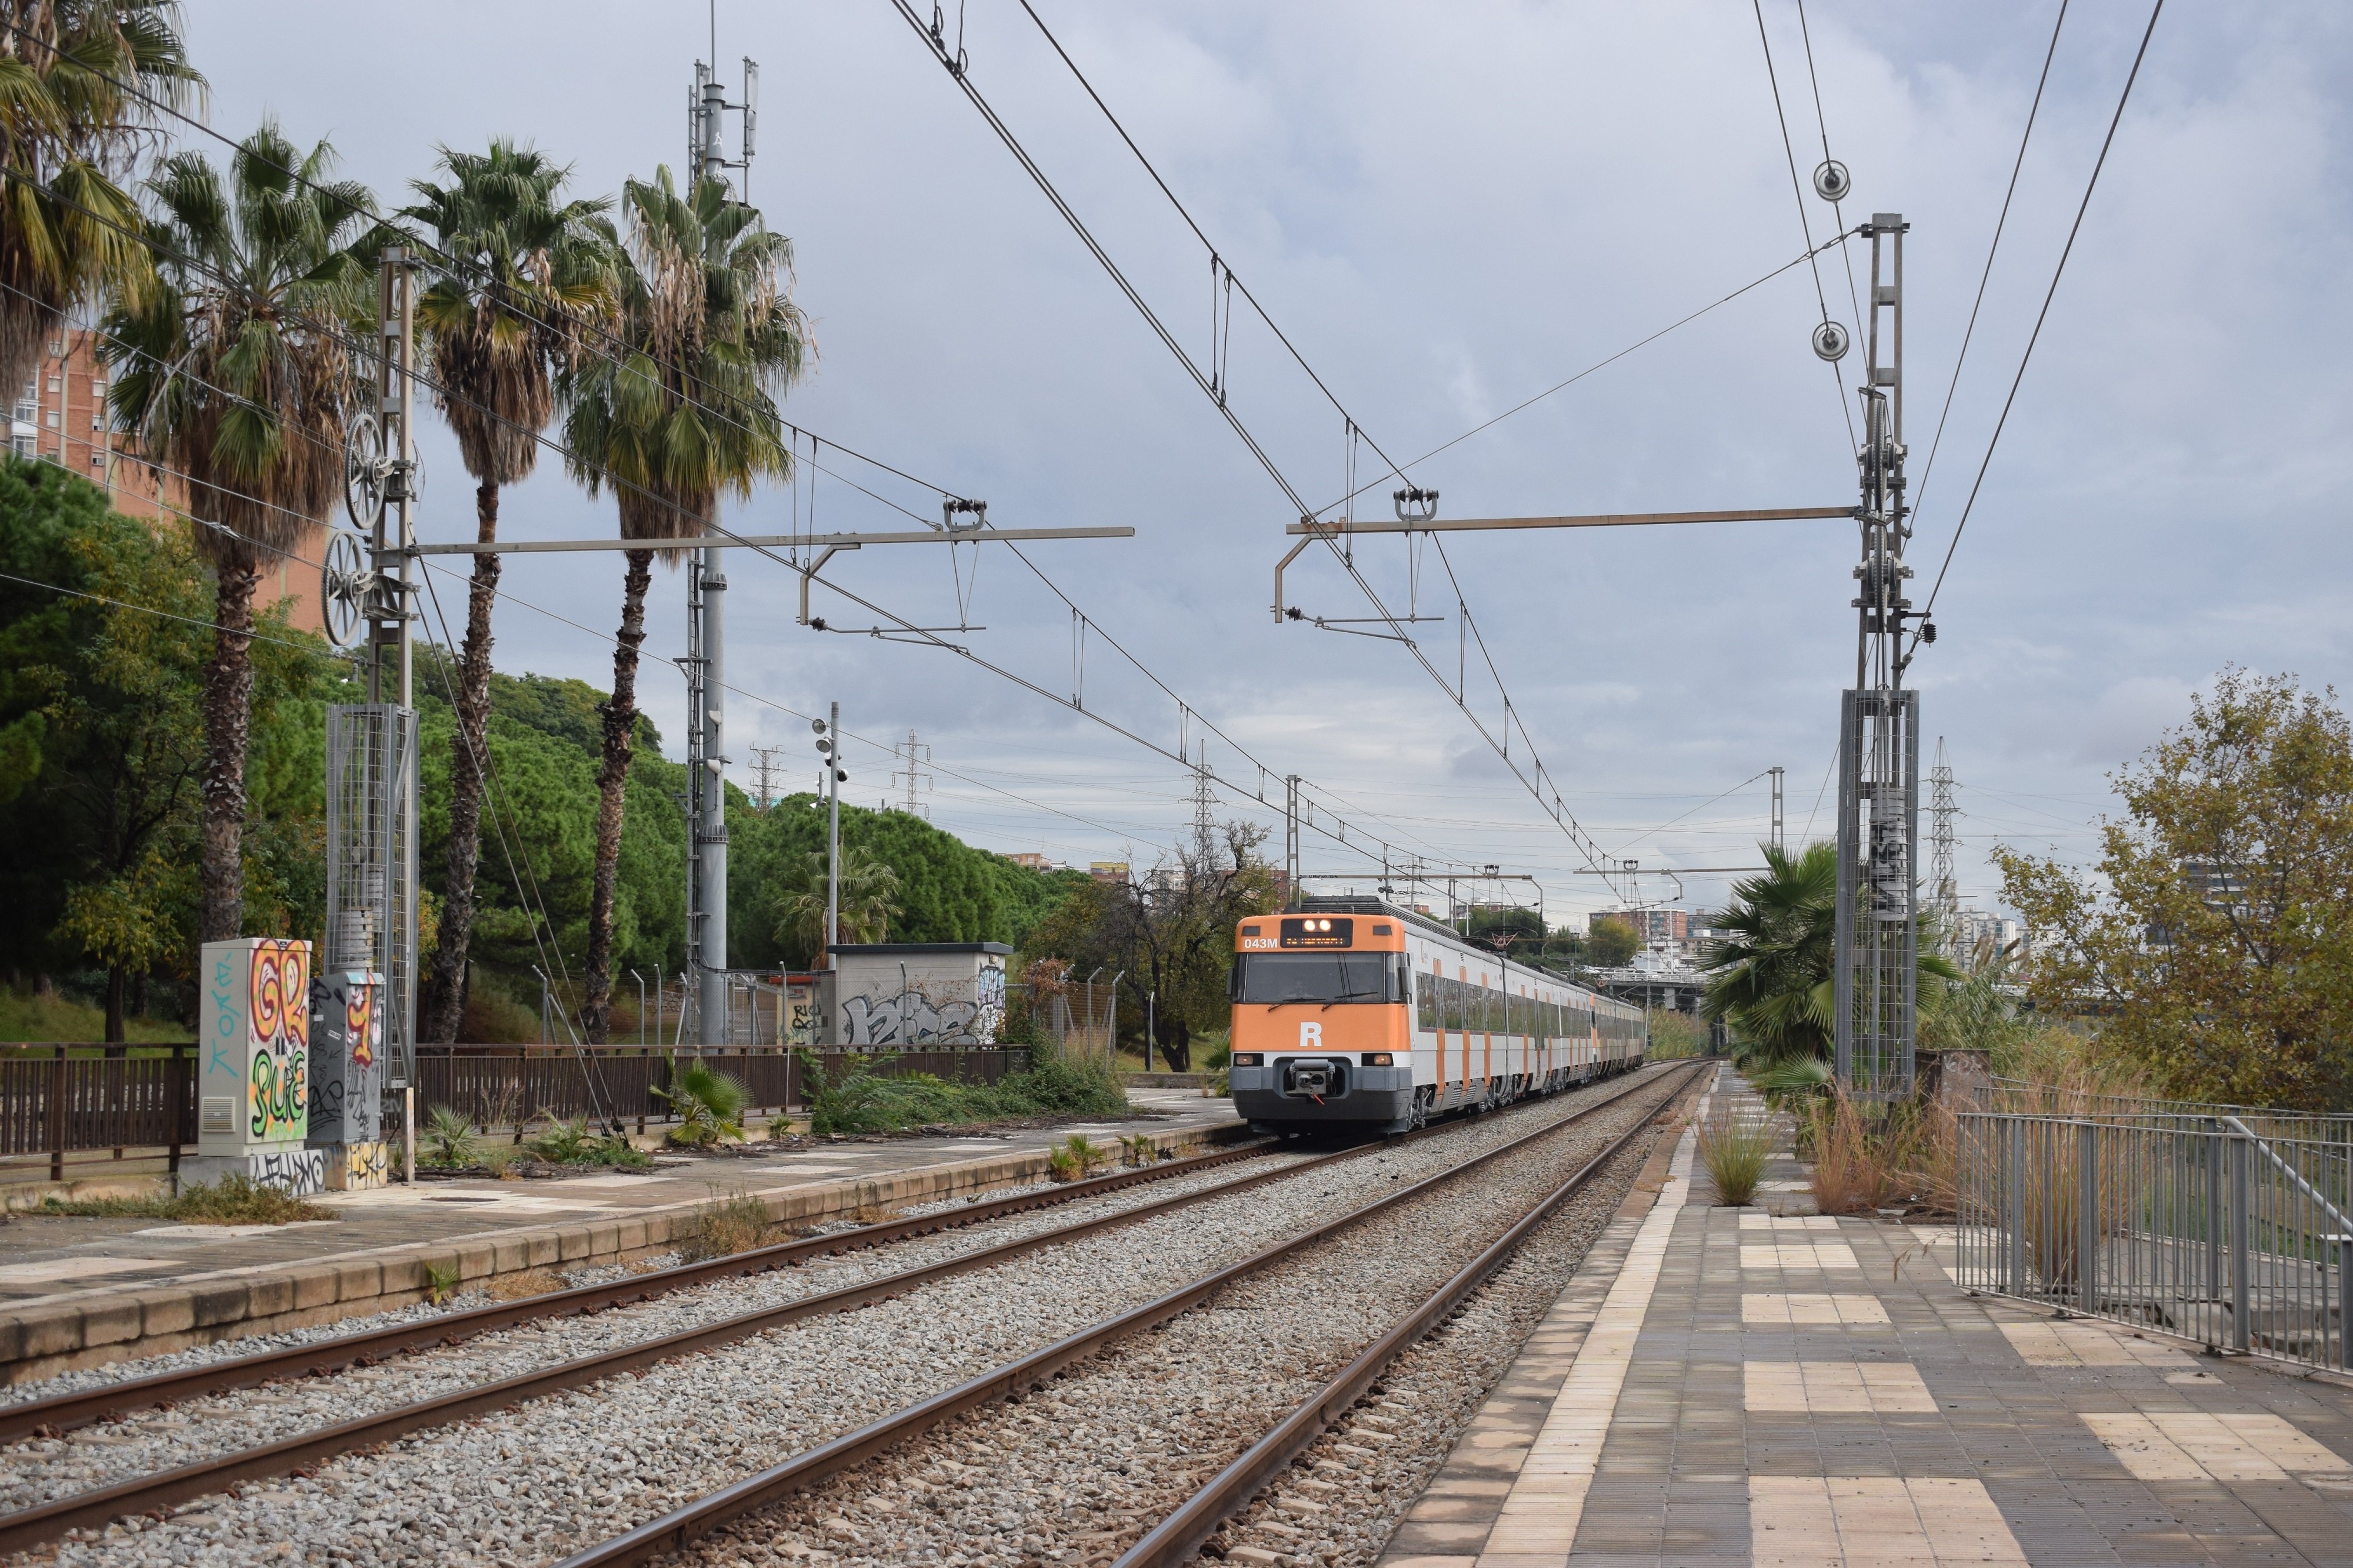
column 95, row 1327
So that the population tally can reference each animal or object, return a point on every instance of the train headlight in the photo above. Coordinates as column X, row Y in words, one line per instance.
column 1376, row 1059
column 1247, row 1059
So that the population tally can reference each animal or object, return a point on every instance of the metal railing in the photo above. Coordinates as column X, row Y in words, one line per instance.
column 2022, row 1097
column 2199, row 1226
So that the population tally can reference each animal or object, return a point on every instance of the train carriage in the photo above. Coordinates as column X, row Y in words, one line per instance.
column 1352, row 1013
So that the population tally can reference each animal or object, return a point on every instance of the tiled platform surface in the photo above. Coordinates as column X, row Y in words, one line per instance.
column 1723, row 1385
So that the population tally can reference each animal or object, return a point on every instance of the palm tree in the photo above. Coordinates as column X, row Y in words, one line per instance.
column 685, row 411
column 233, row 369
column 869, row 897
column 72, row 76
column 528, row 274
column 1775, row 978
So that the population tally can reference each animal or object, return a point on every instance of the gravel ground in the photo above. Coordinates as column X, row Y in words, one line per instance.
column 458, row 1493
column 1076, row 1473
column 86, row 1378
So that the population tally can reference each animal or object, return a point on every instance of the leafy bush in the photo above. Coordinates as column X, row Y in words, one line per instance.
column 854, row 1096
column 710, row 1104
column 571, row 1143
column 449, row 1140
column 1734, row 1148
column 235, row 1201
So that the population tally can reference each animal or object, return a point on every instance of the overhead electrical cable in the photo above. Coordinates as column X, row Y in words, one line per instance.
column 351, row 344
column 1837, row 207
column 1798, row 189
column 958, row 71
column 2044, row 313
column 1920, row 497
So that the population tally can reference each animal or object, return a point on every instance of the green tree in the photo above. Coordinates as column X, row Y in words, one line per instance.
column 868, row 900
column 1772, row 974
column 2214, row 939
column 1171, row 931
column 531, row 272
column 685, row 411
column 233, row 369
column 76, row 78
column 1611, row 944
column 1507, row 930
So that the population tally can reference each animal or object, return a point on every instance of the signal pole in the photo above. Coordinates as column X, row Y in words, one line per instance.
column 1877, row 941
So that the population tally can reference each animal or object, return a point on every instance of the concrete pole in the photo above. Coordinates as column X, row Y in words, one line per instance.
column 711, row 995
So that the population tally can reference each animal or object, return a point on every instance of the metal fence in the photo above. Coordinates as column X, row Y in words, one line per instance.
column 69, row 1106
column 2022, row 1097
column 2196, row 1226
column 65, row 1109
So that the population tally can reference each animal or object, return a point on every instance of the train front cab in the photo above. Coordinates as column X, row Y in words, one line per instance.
column 1321, row 1035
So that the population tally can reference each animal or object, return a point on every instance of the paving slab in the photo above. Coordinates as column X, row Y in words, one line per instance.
column 1763, row 1386
column 67, row 1283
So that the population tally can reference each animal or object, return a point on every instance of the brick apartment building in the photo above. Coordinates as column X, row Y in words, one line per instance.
column 1651, row 925
column 60, row 417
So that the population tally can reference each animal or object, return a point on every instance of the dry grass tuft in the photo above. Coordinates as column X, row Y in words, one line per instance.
column 1734, row 1148
column 523, row 1285
column 724, row 1227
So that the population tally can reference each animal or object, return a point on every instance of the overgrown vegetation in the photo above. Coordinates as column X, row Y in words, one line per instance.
column 852, row 1094
column 1734, row 1148
column 2213, row 942
column 448, row 1143
column 1076, row 1159
column 723, row 1226
column 234, row 1200
column 709, row 1106
column 572, row 1142
column 1675, row 1035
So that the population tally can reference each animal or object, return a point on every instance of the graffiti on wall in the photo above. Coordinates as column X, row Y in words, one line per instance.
column 913, row 1018
column 359, row 1167
column 297, row 1172
column 346, row 1097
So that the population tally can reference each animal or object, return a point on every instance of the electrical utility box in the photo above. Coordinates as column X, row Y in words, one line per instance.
column 253, row 1096
column 347, row 1078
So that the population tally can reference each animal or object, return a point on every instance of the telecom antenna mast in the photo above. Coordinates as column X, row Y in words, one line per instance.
column 1879, row 721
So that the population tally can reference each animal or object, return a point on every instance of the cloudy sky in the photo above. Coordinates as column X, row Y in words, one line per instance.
column 1448, row 208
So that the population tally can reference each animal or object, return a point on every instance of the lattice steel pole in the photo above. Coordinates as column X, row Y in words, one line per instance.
column 1879, row 752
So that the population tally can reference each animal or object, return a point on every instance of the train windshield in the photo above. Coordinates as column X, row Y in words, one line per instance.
column 1277, row 977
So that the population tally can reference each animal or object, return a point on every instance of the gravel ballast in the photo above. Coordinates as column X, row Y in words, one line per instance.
column 524, row 1484
column 1078, row 1471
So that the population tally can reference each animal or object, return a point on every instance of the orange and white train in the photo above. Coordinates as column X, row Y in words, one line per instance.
column 1353, row 1014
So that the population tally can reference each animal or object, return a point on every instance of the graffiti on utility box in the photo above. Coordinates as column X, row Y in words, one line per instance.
column 919, row 993
column 255, row 1026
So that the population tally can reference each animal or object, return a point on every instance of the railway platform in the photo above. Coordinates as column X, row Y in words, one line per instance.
column 83, row 1291
column 1774, row 1386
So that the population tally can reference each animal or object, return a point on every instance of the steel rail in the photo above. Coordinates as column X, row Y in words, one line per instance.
column 675, row 1530
column 64, row 1412
column 144, row 1494
column 1179, row 1536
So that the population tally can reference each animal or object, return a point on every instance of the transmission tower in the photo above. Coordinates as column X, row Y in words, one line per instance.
column 912, row 753
column 1946, row 898
column 1879, row 745
column 1205, row 807
column 764, row 777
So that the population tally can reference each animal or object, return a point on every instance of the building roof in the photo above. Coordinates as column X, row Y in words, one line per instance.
column 906, row 949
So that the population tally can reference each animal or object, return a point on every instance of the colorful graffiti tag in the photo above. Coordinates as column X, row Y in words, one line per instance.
column 277, row 1101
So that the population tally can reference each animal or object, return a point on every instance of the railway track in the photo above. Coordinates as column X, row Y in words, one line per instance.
column 66, row 1412
column 1176, row 1537
column 150, row 1495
